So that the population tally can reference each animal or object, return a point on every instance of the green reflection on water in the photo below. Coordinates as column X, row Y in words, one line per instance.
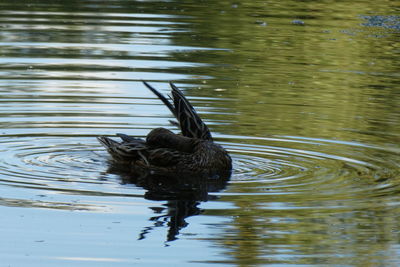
column 330, row 78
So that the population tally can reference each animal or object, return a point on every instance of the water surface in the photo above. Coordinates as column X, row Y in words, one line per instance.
column 305, row 96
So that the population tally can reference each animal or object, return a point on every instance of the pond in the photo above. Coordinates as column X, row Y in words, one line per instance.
column 304, row 95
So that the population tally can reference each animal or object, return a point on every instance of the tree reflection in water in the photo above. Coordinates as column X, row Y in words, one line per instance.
column 183, row 193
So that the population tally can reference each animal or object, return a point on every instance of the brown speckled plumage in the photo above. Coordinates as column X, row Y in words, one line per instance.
column 192, row 151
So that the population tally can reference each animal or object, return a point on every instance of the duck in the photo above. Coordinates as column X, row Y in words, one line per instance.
column 192, row 151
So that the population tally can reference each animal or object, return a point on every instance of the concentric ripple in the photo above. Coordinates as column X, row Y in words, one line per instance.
column 322, row 168
column 54, row 164
column 278, row 166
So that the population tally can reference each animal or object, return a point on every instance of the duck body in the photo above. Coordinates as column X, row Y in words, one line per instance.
column 193, row 151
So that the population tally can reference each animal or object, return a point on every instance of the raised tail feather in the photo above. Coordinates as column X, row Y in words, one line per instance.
column 190, row 123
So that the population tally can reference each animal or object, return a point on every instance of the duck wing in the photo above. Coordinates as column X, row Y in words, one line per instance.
column 190, row 123
column 137, row 149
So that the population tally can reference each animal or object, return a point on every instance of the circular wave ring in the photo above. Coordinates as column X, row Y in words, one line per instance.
column 324, row 167
column 284, row 165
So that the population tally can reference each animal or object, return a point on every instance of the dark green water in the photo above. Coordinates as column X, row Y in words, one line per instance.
column 305, row 95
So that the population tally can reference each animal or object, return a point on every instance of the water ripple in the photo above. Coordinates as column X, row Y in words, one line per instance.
column 314, row 168
column 269, row 166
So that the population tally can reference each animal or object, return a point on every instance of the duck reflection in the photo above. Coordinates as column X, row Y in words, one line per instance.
column 176, row 213
column 183, row 193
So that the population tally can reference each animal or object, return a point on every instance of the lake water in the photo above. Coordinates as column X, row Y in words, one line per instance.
column 305, row 95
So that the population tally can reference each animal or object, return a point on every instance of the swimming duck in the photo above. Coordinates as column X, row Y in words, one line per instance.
column 191, row 151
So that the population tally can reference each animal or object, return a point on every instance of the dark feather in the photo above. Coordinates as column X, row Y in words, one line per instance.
column 125, row 150
column 190, row 123
column 127, row 138
column 161, row 97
